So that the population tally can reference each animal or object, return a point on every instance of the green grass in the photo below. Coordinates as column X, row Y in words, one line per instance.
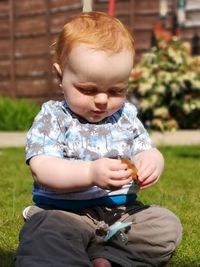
column 17, row 114
column 177, row 190
column 15, row 184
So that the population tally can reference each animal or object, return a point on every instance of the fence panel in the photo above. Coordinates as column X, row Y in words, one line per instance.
column 29, row 27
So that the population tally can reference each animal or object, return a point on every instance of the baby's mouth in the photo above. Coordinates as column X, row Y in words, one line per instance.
column 99, row 111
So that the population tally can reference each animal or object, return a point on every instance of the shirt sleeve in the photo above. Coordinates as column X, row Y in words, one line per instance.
column 45, row 136
column 142, row 140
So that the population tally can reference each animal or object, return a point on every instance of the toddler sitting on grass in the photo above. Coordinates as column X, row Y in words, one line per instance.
column 87, row 212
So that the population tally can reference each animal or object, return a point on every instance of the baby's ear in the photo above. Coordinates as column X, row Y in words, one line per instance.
column 58, row 70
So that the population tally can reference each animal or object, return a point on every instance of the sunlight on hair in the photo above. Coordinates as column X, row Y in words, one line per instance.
column 97, row 29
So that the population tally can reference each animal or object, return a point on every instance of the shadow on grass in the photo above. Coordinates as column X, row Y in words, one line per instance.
column 189, row 155
column 192, row 152
column 184, row 264
column 179, row 262
column 7, row 258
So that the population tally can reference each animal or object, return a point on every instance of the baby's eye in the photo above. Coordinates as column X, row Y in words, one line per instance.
column 86, row 91
column 117, row 91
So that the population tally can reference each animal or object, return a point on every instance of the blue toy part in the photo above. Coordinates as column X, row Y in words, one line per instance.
column 114, row 228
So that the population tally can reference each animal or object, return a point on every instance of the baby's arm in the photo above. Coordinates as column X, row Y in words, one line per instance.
column 76, row 175
column 150, row 164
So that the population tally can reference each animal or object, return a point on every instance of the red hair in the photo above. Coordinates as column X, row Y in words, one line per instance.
column 96, row 29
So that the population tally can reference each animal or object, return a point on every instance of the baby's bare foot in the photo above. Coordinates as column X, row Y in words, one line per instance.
column 100, row 262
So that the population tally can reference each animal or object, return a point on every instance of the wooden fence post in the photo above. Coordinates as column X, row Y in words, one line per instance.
column 12, row 49
column 87, row 5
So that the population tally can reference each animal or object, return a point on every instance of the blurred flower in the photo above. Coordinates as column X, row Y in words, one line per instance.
column 135, row 74
column 145, row 104
column 175, row 55
column 171, row 124
column 164, row 76
column 160, row 89
column 196, row 84
column 187, row 47
column 157, row 124
column 161, row 112
column 144, row 88
column 175, row 89
column 186, row 108
column 166, row 83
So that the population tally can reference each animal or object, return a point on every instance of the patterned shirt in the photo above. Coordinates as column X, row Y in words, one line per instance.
column 57, row 131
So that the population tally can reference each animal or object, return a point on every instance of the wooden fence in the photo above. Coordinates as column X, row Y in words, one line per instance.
column 29, row 27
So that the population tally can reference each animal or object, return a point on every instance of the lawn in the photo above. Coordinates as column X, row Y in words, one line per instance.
column 177, row 190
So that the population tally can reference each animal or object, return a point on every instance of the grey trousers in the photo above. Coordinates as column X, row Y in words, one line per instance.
column 54, row 238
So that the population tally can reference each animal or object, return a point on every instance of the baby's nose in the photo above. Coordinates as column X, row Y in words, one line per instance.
column 101, row 98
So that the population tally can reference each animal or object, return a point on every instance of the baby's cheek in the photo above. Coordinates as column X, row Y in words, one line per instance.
column 116, row 103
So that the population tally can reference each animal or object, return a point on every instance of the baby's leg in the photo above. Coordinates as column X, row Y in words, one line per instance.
column 152, row 239
column 155, row 234
column 54, row 238
column 29, row 211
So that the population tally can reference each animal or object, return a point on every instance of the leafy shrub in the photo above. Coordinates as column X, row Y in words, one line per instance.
column 166, row 86
column 16, row 115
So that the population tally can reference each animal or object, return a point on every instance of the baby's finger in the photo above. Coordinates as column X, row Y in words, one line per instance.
column 117, row 165
column 121, row 174
column 144, row 173
column 119, row 183
column 152, row 179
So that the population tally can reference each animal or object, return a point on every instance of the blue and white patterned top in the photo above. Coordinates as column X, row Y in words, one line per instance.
column 57, row 131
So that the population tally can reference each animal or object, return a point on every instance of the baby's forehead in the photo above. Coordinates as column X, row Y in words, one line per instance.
column 90, row 50
column 90, row 54
column 85, row 61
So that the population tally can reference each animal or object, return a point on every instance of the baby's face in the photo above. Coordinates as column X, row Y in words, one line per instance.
column 95, row 82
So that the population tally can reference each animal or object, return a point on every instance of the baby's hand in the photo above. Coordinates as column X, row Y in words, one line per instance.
column 109, row 173
column 150, row 164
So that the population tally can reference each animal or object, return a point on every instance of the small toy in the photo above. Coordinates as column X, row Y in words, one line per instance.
column 132, row 167
column 117, row 228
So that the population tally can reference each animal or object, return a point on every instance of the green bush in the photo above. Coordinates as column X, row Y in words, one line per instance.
column 166, row 85
column 16, row 115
